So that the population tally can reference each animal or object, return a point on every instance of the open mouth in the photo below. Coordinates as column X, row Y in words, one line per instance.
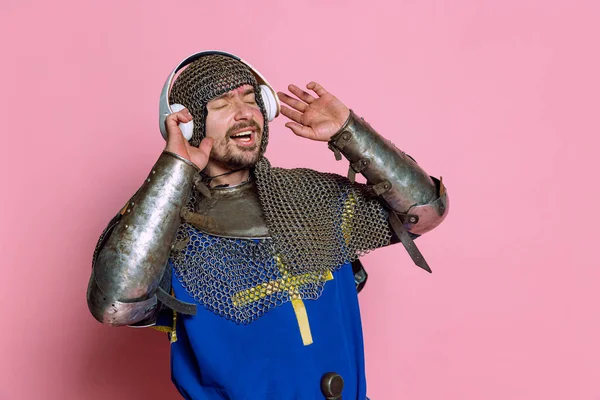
column 243, row 136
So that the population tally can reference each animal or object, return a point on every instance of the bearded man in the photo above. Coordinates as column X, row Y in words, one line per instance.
column 253, row 270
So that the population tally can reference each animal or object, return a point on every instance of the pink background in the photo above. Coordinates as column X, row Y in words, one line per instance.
column 498, row 97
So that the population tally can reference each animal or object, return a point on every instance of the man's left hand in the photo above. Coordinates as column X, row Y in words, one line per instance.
column 316, row 118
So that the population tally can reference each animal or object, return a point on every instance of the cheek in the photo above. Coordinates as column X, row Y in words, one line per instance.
column 212, row 127
column 258, row 117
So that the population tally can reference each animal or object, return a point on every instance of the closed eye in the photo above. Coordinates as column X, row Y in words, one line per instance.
column 219, row 105
column 250, row 98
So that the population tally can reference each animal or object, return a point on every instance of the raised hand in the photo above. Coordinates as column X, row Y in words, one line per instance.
column 177, row 144
column 316, row 118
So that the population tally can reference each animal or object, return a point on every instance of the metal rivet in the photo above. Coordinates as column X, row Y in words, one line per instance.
column 126, row 226
column 128, row 210
column 153, row 172
column 148, row 180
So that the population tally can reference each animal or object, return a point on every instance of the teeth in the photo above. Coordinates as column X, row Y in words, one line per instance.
column 245, row 133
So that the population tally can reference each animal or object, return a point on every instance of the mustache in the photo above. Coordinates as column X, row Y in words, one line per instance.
column 242, row 125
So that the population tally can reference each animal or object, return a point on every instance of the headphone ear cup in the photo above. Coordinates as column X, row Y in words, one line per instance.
column 269, row 101
column 187, row 128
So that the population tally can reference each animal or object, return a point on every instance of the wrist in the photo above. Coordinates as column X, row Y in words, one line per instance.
column 181, row 158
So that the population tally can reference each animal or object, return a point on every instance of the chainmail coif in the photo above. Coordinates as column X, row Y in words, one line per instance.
column 207, row 78
column 317, row 221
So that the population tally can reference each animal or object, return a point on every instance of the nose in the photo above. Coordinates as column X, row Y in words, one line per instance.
column 243, row 111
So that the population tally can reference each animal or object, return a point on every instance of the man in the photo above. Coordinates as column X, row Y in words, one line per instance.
column 258, row 259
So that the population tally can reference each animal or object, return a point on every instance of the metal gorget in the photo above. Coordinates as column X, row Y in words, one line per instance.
column 231, row 212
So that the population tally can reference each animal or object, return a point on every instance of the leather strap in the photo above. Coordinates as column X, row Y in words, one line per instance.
column 175, row 304
column 407, row 241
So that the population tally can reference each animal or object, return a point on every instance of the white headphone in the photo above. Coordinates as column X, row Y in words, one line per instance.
column 268, row 94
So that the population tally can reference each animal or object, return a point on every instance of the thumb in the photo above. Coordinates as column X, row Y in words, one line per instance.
column 206, row 146
column 201, row 155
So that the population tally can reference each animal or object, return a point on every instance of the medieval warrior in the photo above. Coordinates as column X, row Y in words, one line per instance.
column 254, row 270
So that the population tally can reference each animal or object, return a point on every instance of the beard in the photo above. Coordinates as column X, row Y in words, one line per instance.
column 232, row 156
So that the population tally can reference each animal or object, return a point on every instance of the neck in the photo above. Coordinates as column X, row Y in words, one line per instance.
column 228, row 177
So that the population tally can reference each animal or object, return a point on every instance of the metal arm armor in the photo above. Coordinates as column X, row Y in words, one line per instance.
column 420, row 200
column 132, row 253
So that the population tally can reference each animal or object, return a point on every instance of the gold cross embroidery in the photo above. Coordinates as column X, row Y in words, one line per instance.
column 292, row 283
column 287, row 283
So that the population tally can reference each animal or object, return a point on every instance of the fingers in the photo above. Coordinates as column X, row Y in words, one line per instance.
column 296, row 104
column 292, row 114
column 172, row 121
column 318, row 89
column 301, row 94
column 179, row 116
column 300, row 130
column 305, row 98
column 292, row 102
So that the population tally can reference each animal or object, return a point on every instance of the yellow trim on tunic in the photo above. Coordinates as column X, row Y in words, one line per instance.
column 303, row 324
column 164, row 329
column 290, row 284
column 170, row 330
column 348, row 217
column 287, row 283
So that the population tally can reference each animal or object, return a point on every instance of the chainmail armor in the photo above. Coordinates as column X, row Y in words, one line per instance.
column 317, row 221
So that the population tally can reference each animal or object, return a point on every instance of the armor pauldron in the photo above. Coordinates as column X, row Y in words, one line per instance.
column 130, row 259
column 420, row 200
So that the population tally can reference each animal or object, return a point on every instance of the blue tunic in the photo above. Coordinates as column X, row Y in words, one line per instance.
column 215, row 358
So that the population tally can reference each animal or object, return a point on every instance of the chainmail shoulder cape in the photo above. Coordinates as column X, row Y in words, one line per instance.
column 317, row 222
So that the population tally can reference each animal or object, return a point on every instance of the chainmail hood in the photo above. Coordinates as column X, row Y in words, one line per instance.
column 208, row 78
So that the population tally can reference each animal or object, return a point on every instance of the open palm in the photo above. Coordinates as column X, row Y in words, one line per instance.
column 316, row 118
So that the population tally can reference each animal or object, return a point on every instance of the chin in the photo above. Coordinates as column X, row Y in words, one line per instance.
column 239, row 161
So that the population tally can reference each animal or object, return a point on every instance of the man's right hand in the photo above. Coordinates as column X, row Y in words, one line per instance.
column 177, row 144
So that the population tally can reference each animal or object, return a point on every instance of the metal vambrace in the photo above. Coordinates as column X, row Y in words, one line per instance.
column 417, row 201
column 133, row 251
